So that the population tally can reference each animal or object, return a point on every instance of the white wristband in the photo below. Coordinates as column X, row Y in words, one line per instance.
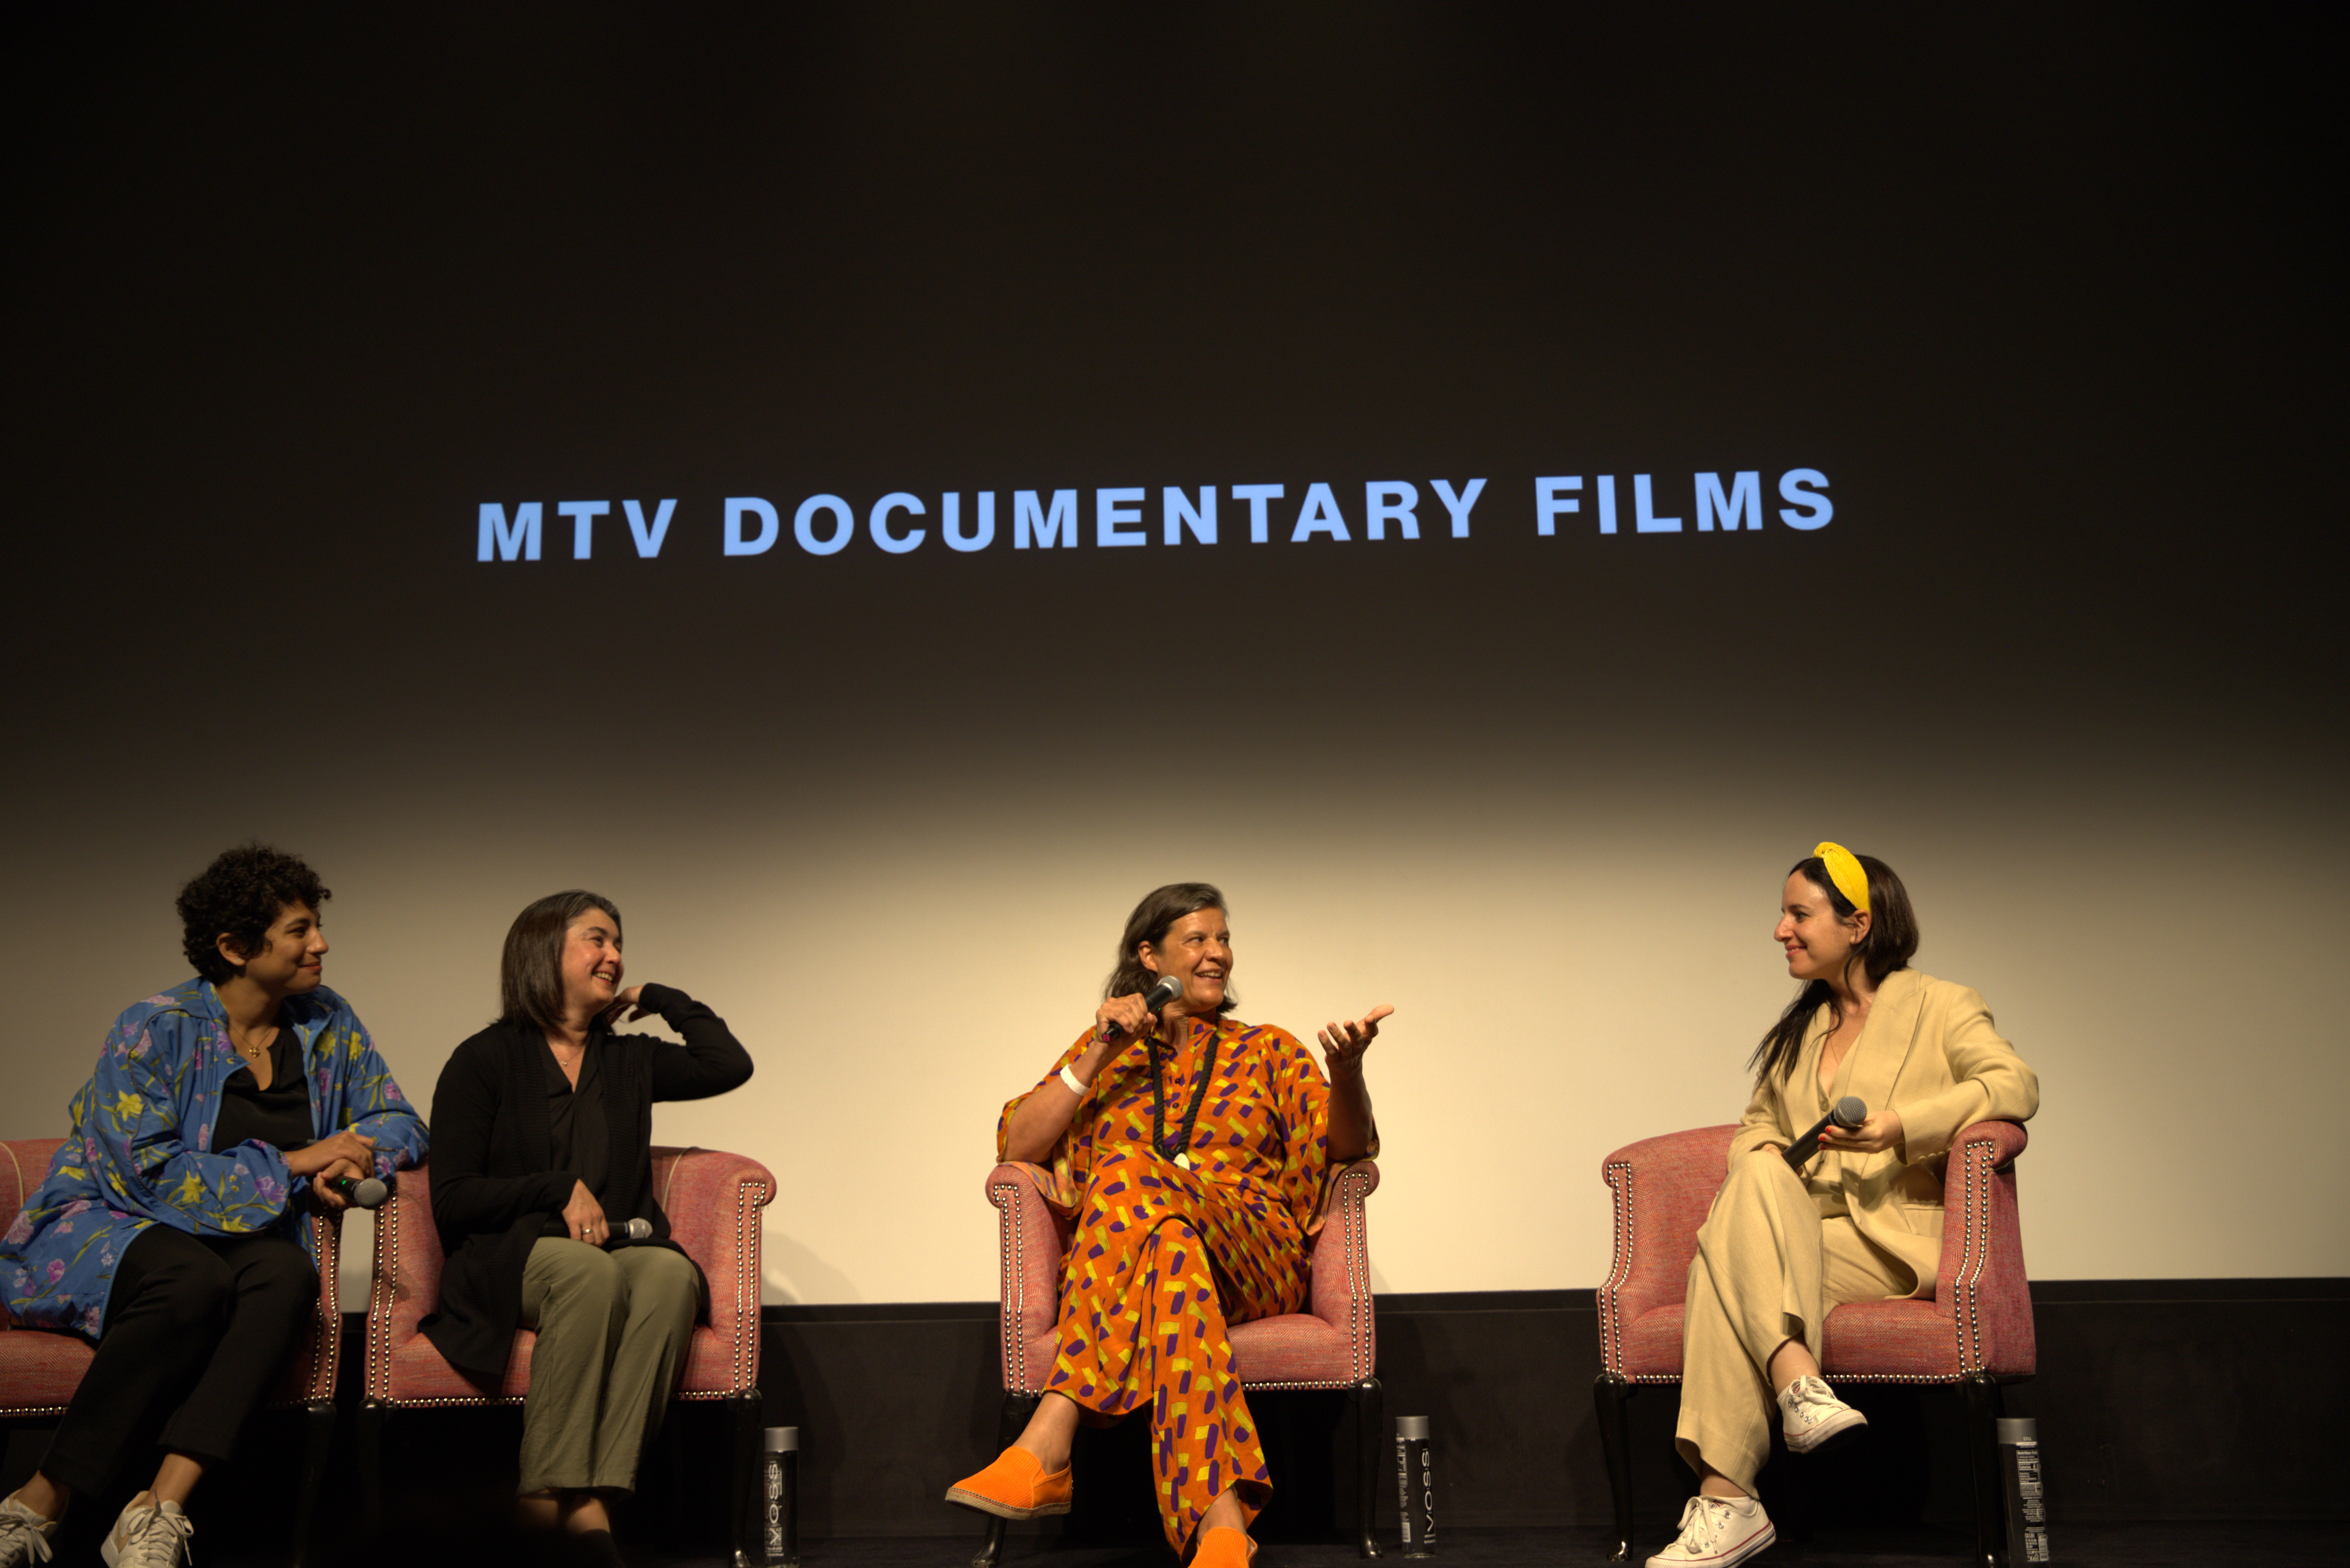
column 1075, row 1087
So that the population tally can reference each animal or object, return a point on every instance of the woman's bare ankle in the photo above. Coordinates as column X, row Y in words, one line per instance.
column 1225, row 1513
column 1712, row 1482
column 1050, row 1432
column 587, row 1511
column 45, row 1497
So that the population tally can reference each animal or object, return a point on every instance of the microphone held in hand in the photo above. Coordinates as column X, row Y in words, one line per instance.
column 1848, row 1114
column 634, row 1231
column 359, row 1191
column 1167, row 988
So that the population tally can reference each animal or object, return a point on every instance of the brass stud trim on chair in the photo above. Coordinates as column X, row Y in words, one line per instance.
column 1011, row 1248
column 1618, row 1174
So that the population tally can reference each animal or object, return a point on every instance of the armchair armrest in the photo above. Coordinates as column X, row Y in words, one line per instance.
column 712, row 1199
column 1033, row 1241
column 315, row 1382
column 1340, row 1261
column 1663, row 1188
column 1982, row 1284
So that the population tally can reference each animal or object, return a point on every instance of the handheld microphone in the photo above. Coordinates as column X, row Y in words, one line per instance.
column 1167, row 988
column 359, row 1191
column 634, row 1231
column 1848, row 1113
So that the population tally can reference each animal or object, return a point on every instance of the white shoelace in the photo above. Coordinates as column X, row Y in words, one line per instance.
column 22, row 1528
column 1810, row 1400
column 1702, row 1523
column 155, row 1539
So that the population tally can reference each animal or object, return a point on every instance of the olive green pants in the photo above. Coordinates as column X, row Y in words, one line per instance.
column 1769, row 1266
column 612, row 1333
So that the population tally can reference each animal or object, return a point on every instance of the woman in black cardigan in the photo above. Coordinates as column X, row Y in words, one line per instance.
column 542, row 1151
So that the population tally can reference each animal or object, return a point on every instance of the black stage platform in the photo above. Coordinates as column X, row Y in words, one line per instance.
column 2166, row 1545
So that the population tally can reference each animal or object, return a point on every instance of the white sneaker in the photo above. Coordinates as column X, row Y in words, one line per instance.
column 1718, row 1532
column 1813, row 1418
column 25, row 1536
column 148, row 1535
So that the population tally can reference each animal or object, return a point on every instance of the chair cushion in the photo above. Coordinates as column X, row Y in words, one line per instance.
column 1652, row 1347
column 1867, row 1342
column 1890, row 1342
column 1294, row 1347
column 39, row 1370
column 421, row 1375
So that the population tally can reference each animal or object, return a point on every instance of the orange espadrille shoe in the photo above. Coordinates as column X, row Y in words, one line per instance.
column 1015, row 1486
column 1222, row 1547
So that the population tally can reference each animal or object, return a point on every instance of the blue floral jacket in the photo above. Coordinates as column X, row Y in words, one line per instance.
column 139, row 1152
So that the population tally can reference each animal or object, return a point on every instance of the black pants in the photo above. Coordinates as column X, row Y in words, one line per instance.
column 196, row 1328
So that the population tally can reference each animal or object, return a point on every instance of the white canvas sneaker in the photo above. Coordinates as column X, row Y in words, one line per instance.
column 148, row 1535
column 25, row 1536
column 1717, row 1532
column 1813, row 1418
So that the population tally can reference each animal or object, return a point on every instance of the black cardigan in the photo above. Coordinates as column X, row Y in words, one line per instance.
column 494, row 1185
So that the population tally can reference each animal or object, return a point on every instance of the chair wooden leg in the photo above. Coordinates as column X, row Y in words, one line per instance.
column 1009, row 1424
column 1369, row 1404
column 317, row 1436
column 750, row 1541
column 1983, row 1403
column 991, row 1551
column 1612, row 1393
column 372, row 1415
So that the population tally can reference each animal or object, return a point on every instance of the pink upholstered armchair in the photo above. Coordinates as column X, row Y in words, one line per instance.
column 1975, row 1330
column 1333, row 1345
column 39, row 1370
column 713, row 1202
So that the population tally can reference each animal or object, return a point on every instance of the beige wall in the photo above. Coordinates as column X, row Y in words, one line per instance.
column 1576, row 960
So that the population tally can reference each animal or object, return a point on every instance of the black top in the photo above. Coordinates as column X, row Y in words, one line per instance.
column 494, row 1179
column 575, row 1133
column 279, row 1115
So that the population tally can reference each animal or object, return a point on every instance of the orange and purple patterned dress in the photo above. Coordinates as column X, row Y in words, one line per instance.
column 1164, row 1256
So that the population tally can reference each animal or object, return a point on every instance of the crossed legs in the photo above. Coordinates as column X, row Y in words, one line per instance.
column 1768, row 1268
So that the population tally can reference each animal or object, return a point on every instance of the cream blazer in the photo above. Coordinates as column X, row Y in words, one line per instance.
column 1928, row 1051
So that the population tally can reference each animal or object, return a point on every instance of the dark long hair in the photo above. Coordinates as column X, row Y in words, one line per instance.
column 1891, row 943
column 1151, row 920
column 530, row 973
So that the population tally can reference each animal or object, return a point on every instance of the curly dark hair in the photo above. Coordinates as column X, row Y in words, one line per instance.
column 240, row 895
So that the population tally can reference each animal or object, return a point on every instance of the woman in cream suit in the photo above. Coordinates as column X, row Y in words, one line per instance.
column 1863, row 1220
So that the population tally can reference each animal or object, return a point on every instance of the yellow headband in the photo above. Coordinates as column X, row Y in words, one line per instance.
column 1844, row 870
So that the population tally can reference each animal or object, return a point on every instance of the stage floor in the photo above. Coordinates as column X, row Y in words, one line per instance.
column 2166, row 1545
column 2163, row 1545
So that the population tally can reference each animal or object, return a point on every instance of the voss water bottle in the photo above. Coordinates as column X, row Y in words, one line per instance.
column 781, row 1515
column 2026, row 1488
column 1415, row 1486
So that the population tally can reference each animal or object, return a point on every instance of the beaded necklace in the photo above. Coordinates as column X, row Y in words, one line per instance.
column 1191, row 1116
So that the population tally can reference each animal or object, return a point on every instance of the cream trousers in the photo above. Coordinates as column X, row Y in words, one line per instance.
column 1767, row 1270
column 612, row 1332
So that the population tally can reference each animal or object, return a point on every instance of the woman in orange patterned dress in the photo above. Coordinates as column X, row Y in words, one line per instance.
column 1194, row 1153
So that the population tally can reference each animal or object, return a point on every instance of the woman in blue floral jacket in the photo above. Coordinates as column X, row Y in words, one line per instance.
column 173, row 1227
